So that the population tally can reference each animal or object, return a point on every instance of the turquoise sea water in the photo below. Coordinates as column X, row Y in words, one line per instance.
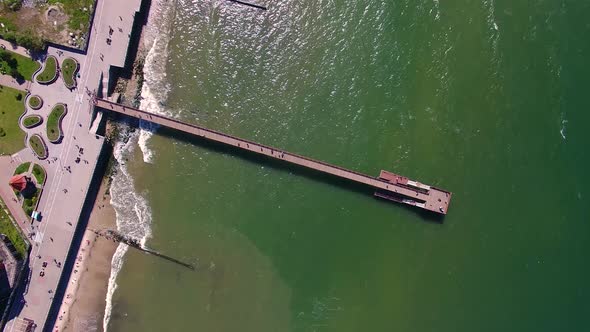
column 487, row 99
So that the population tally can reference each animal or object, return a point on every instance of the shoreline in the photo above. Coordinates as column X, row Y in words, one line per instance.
column 83, row 305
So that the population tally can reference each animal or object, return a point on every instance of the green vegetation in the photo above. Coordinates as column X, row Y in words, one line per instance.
column 35, row 102
column 79, row 19
column 31, row 121
column 54, row 122
column 38, row 146
column 17, row 66
column 8, row 228
column 30, row 203
column 22, row 168
column 39, row 173
column 13, row 5
column 29, row 27
column 11, row 136
column 26, row 38
column 69, row 68
column 49, row 73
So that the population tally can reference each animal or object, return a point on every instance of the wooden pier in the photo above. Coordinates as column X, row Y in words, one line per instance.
column 388, row 185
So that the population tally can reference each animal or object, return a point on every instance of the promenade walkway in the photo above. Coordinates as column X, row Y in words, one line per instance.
column 71, row 164
column 388, row 185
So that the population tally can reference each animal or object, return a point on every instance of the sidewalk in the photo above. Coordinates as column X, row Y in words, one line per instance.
column 14, row 48
column 10, row 82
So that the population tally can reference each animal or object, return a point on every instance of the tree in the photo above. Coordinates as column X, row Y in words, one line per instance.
column 30, row 40
column 4, row 55
column 14, row 72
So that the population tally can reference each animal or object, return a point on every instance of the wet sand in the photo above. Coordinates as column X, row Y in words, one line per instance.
column 87, row 309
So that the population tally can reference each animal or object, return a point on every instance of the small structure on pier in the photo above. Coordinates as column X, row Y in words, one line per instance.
column 437, row 199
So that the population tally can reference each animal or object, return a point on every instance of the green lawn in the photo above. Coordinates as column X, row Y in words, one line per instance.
column 31, row 121
column 22, row 168
column 39, row 174
column 12, row 138
column 35, row 102
column 25, row 66
column 68, row 71
column 53, row 122
column 38, row 146
column 7, row 228
column 50, row 70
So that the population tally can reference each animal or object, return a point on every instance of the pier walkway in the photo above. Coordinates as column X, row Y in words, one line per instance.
column 388, row 185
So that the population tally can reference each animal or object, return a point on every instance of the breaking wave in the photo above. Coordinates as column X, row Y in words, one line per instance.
column 132, row 210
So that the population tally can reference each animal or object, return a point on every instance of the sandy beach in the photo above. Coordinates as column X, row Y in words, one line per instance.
column 88, row 287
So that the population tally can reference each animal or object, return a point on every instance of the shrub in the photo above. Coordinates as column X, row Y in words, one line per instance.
column 30, row 40
column 13, row 5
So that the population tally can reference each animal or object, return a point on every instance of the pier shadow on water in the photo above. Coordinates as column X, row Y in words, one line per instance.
column 284, row 166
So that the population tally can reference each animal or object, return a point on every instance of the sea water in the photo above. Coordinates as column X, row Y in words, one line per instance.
column 485, row 98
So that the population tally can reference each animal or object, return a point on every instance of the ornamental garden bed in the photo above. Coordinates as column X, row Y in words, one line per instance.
column 54, row 131
column 22, row 168
column 69, row 69
column 38, row 146
column 35, row 102
column 49, row 73
column 32, row 121
column 39, row 174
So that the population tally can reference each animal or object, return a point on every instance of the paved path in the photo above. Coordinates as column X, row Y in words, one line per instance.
column 10, row 82
column 14, row 48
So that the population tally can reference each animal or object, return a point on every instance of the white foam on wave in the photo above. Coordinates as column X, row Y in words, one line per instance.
column 132, row 210
column 492, row 25
column 562, row 129
column 154, row 91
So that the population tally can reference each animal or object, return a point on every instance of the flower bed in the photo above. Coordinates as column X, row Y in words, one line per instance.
column 35, row 102
column 69, row 69
column 39, row 173
column 32, row 121
column 38, row 146
column 49, row 73
column 54, row 131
